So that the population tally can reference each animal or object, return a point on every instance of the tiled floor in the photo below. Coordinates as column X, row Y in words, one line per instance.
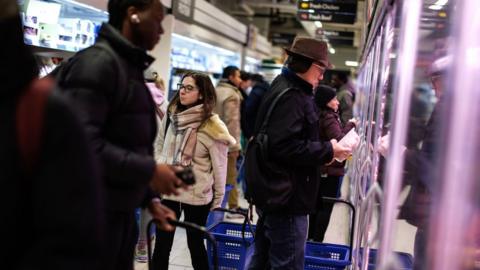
column 337, row 232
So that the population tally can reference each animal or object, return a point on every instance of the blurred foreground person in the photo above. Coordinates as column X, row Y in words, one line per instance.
column 50, row 194
column 106, row 82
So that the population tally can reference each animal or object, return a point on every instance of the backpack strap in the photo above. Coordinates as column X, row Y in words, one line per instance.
column 263, row 128
column 30, row 114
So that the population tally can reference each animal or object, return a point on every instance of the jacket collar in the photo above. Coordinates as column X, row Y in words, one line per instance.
column 297, row 81
column 227, row 82
column 124, row 47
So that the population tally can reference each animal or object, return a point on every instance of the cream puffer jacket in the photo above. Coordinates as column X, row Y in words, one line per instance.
column 227, row 107
column 209, row 162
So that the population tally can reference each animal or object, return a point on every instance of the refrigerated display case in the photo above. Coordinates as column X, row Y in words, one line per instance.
column 192, row 55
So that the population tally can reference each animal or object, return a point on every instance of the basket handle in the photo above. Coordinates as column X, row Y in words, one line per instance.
column 185, row 225
column 352, row 226
column 245, row 222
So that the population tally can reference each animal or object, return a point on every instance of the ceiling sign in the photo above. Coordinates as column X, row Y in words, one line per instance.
column 282, row 39
column 333, row 11
column 336, row 38
column 335, row 34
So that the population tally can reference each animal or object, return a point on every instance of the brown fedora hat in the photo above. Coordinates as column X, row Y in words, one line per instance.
column 311, row 48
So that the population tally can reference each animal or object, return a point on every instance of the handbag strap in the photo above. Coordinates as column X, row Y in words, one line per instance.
column 263, row 128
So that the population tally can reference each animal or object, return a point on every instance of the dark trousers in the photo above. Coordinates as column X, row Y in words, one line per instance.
column 122, row 234
column 319, row 221
column 163, row 242
column 279, row 242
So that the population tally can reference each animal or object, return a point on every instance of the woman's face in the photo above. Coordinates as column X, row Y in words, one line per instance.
column 333, row 104
column 189, row 93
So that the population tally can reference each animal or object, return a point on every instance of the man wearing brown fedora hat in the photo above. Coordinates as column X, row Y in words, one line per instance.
column 294, row 154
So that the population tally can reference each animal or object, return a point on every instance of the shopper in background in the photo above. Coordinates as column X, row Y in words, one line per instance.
column 259, row 88
column 245, row 88
column 295, row 152
column 107, row 84
column 229, row 99
column 330, row 127
column 156, row 85
column 50, row 195
column 345, row 95
column 196, row 138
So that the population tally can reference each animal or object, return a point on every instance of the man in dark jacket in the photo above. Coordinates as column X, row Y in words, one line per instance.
column 50, row 196
column 294, row 146
column 259, row 88
column 106, row 82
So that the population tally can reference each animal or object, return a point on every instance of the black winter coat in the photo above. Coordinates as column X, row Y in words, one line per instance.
column 118, row 113
column 294, row 142
column 52, row 218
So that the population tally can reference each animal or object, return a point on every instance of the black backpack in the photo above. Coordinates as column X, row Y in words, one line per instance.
column 269, row 185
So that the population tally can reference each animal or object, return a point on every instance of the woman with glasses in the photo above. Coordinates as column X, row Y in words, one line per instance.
column 192, row 136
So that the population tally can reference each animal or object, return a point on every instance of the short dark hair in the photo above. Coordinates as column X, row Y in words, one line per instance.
column 118, row 10
column 245, row 76
column 257, row 77
column 229, row 71
column 298, row 64
column 205, row 88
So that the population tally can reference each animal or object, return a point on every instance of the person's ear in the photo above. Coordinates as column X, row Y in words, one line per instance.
column 134, row 19
column 132, row 15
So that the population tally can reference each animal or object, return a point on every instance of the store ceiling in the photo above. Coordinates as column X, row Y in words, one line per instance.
column 277, row 19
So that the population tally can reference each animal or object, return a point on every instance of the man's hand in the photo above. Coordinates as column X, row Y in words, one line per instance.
column 164, row 180
column 340, row 152
column 162, row 214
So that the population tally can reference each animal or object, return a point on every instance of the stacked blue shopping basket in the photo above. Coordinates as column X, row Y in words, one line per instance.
column 235, row 245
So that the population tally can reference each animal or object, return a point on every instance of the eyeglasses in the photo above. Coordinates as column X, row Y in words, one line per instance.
column 187, row 88
column 322, row 69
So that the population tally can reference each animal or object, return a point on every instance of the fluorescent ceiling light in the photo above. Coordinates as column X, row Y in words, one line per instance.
column 438, row 5
column 318, row 24
column 351, row 63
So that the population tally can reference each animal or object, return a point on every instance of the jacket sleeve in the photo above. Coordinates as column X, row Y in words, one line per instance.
column 285, row 133
column 218, row 155
column 332, row 127
column 93, row 95
column 231, row 107
column 347, row 127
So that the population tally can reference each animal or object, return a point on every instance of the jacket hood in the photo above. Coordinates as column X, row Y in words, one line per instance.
column 217, row 130
column 124, row 47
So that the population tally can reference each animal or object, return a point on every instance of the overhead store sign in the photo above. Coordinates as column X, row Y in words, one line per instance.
column 335, row 38
column 335, row 34
column 183, row 10
column 282, row 39
column 340, row 11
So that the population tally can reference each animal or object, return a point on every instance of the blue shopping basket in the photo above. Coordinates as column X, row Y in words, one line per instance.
column 320, row 256
column 405, row 259
column 234, row 243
